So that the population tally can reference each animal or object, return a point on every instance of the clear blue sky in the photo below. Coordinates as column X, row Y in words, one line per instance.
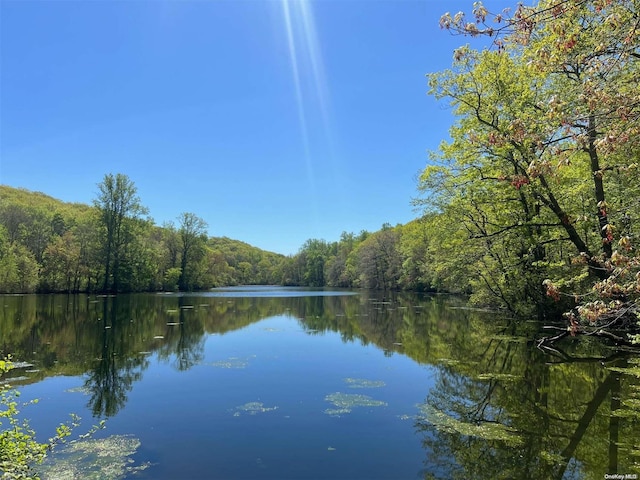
column 274, row 121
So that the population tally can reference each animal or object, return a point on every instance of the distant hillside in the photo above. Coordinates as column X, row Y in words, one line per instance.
column 28, row 198
column 49, row 245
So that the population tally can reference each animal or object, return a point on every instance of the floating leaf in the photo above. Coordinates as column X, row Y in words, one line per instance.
column 81, row 389
column 14, row 365
column 448, row 361
column 8, row 381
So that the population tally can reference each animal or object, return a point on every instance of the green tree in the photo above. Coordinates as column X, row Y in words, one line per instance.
column 119, row 205
column 18, row 268
column 416, row 272
column 313, row 255
column 379, row 261
column 140, row 262
column 339, row 271
column 193, row 237
column 570, row 135
column 61, row 263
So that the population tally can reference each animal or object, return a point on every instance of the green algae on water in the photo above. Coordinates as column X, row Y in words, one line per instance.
column 80, row 389
column 232, row 362
column 505, row 377
column 252, row 408
column 363, row 383
column 95, row 459
column 346, row 402
column 484, row 430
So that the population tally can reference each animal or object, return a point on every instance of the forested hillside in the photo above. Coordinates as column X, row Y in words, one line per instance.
column 47, row 245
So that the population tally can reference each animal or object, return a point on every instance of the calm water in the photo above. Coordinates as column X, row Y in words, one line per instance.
column 276, row 383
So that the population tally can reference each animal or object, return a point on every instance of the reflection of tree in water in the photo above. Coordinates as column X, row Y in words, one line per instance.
column 508, row 414
column 184, row 338
column 114, row 372
column 504, row 408
column 110, row 381
column 189, row 348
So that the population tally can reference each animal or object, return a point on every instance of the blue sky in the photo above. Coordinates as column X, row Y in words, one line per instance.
column 273, row 121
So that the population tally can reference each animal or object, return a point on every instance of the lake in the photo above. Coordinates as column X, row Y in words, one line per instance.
column 290, row 383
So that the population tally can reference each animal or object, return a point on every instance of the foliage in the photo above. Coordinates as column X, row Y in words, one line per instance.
column 120, row 209
column 540, row 178
column 376, row 261
column 110, row 247
column 531, row 205
column 79, row 247
column 20, row 452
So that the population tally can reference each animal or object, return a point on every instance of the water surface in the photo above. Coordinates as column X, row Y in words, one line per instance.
column 266, row 382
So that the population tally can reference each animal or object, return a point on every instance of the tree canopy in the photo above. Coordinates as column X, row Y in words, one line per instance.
column 540, row 175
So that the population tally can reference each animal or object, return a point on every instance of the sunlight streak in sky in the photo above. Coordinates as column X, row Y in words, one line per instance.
column 315, row 57
column 296, row 80
column 307, row 71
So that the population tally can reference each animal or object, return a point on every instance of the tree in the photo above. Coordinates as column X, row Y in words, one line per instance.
column 193, row 236
column 553, row 113
column 379, row 261
column 415, row 239
column 118, row 204
column 60, row 263
column 18, row 267
column 313, row 255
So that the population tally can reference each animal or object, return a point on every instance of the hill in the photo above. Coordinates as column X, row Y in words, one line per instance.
column 48, row 245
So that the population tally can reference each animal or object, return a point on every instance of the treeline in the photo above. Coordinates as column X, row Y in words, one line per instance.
column 50, row 246
column 393, row 258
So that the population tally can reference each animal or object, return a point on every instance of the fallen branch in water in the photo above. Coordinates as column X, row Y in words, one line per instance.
column 545, row 342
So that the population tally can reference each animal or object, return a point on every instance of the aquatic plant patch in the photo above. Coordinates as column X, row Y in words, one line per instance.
column 252, row 408
column 232, row 362
column 97, row 459
column 484, row 430
column 346, row 402
column 363, row 383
